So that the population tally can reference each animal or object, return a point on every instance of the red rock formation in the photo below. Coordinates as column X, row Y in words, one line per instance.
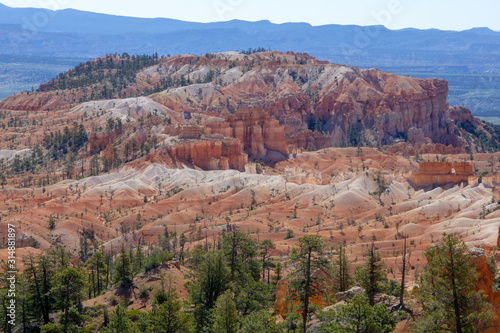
column 416, row 136
column 411, row 150
column 46, row 101
column 463, row 169
column 285, row 298
column 485, row 283
column 205, row 154
column 386, row 105
column 463, row 115
column 108, row 154
column 255, row 130
column 498, row 237
column 441, row 173
column 98, row 141
column 435, row 168
column 185, row 132
column 307, row 139
column 300, row 93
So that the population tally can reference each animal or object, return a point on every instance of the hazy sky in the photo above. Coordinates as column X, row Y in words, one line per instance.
column 395, row 14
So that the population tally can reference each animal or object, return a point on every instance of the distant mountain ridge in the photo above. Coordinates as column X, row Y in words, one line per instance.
column 469, row 60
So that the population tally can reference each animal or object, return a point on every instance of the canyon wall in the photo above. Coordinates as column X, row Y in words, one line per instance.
column 386, row 106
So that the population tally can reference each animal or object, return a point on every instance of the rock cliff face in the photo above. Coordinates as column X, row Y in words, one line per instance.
column 255, row 130
column 184, row 132
column 463, row 115
column 386, row 106
column 442, row 173
column 205, row 154
column 435, row 168
column 306, row 139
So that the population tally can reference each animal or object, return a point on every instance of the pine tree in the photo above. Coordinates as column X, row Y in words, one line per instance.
column 39, row 272
column 341, row 268
column 239, row 249
column 166, row 315
column 208, row 283
column 265, row 248
column 68, row 291
column 169, row 318
column 261, row 321
column 277, row 273
column 447, row 291
column 4, row 299
column 139, row 259
column 225, row 314
column 307, row 259
column 119, row 321
column 3, row 179
column 358, row 316
column 97, row 273
column 182, row 243
column 253, row 296
column 371, row 275
column 123, row 268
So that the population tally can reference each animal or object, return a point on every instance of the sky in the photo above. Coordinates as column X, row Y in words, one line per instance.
column 394, row 14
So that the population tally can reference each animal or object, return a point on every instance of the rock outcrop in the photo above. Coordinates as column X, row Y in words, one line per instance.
column 184, row 132
column 485, row 283
column 48, row 101
column 492, row 180
column 205, row 154
column 386, row 106
column 463, row 115
column 442, row 173
column 255, row 130
column 307, row 139
column 348, row 294
column 408, row 149
column 98, row 141
column 299, row 176
column 498, row 238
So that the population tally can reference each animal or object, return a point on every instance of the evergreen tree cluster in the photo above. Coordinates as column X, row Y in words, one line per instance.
column 60, row 143
column 110, row 76
column 115, row 72
column 54, row 146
